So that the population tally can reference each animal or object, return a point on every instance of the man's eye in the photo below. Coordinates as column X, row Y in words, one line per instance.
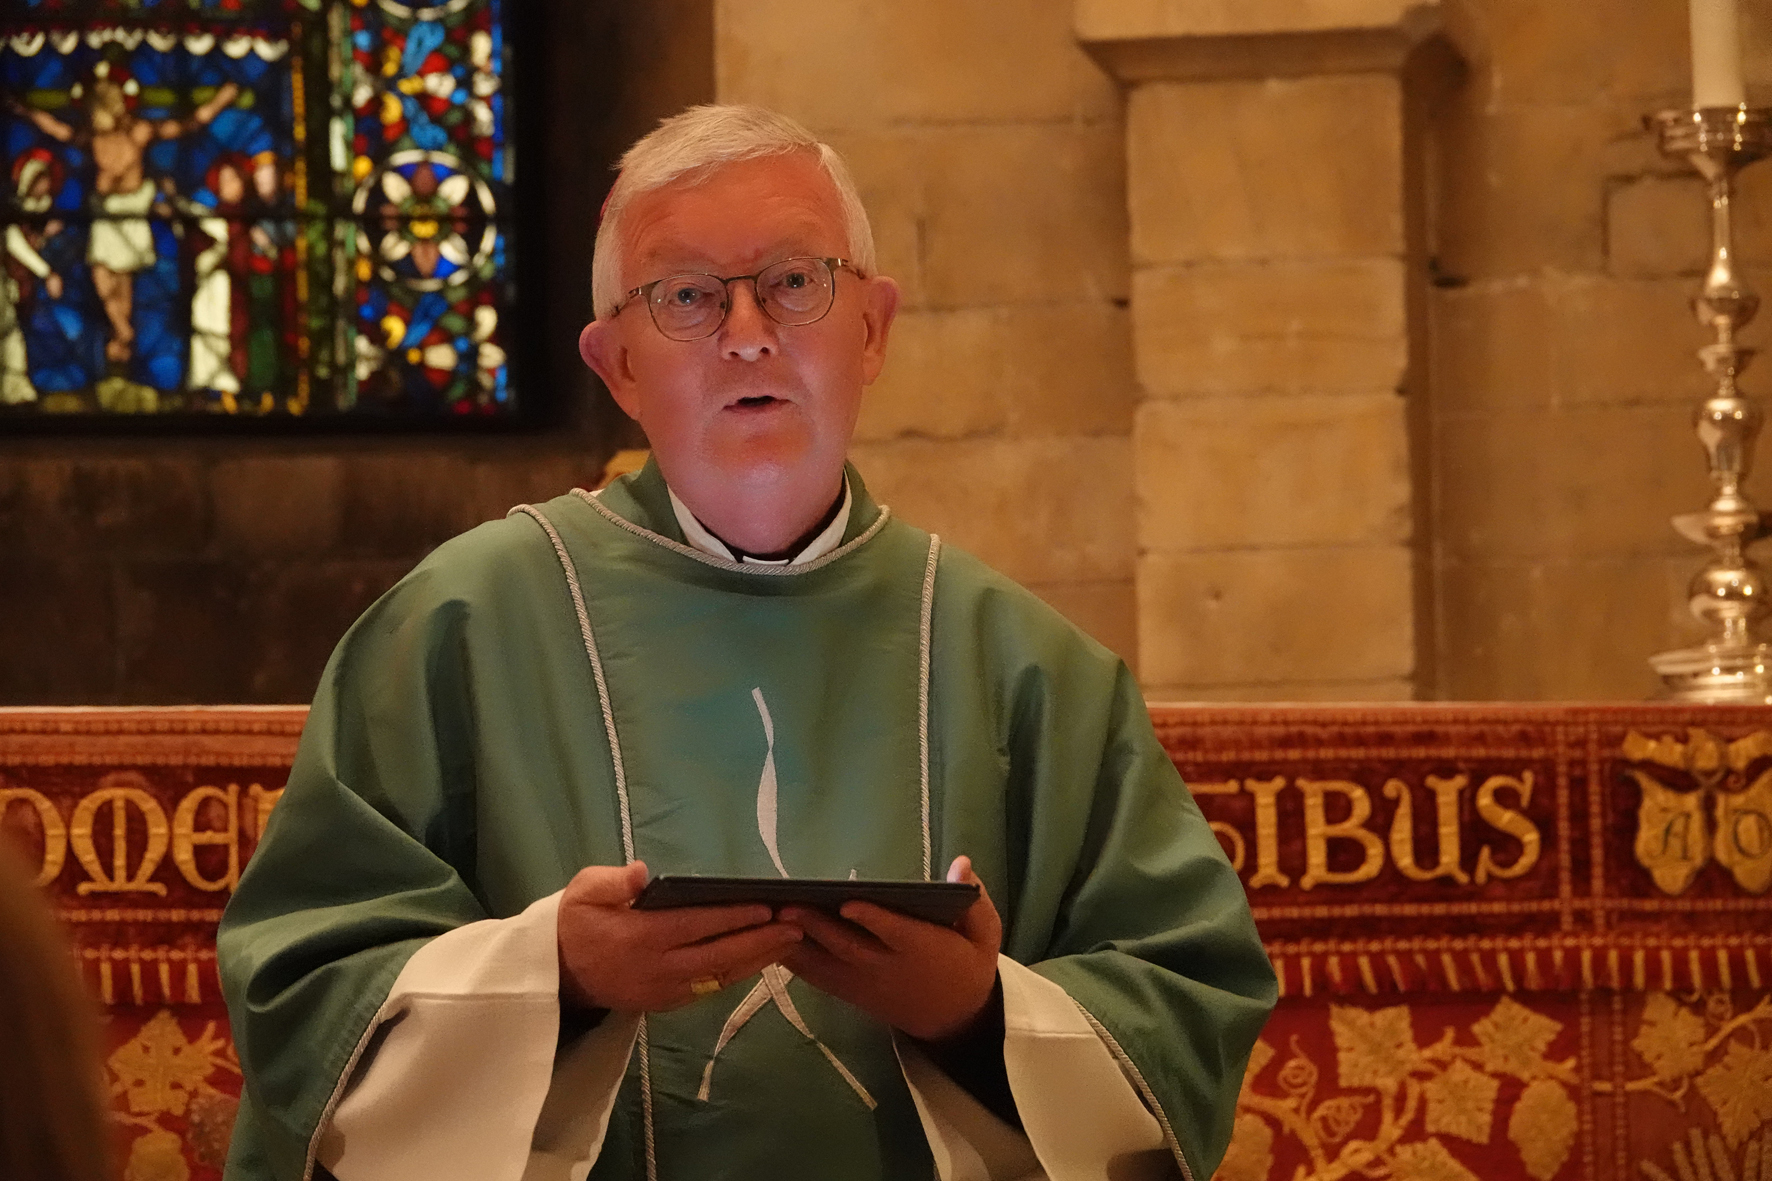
column 685, row 296
column 794, row 280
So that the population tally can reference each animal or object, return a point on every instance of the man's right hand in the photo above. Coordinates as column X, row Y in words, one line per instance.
column 615, row 957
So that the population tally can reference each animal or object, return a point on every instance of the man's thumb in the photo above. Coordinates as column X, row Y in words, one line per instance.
column 610, row 885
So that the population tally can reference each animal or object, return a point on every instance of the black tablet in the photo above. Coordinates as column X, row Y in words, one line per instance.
column 933, row 902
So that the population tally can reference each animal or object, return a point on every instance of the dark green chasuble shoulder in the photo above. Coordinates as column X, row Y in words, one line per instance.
column 574, row 685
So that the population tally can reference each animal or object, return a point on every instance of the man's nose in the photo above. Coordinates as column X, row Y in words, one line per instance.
column 747, row 334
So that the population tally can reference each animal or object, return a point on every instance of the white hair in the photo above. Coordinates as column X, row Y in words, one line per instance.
column 701, row 139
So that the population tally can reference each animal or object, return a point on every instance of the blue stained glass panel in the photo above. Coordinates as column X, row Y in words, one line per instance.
column 221, row 207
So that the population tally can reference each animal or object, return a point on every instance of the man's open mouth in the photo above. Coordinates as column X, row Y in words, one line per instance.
column 755, row 401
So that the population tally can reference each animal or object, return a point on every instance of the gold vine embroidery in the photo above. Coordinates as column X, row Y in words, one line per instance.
column 161, row 1072
column 1422, row 1093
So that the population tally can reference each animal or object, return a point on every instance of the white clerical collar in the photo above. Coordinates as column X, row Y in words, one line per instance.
column 697, row 535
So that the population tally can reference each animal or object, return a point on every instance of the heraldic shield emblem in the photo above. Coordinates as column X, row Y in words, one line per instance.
column 1722, row 815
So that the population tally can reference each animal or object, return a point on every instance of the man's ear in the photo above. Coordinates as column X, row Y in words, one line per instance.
column 601, row 347
column 880, row 305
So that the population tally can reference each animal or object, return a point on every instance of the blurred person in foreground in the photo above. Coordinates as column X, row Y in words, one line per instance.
column 52, row 1103
column 732, row 662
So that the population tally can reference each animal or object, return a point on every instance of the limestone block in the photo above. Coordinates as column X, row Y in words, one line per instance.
column 1277, row 615
column 1589, row 481
column 812, row 61
column 1547, row 54
column 992, row 65
column 849, row 66
column 1266, row 169
column 1565, row 340
column 1060, row 369
column 1327, row 326
column 278, row 504
column 1103, row 20
column 1247, row 472
column 891, row 171
column 1753, row 204
column 1024, row 213
column 1493, row 346
column 1383, row 689
column 1559, row 630
column 981, row 215
column 1629, row 340
column 1658, row 226
column 1522, row 188
column 1106, row 610
column 1069, row 369
column 1039, row 510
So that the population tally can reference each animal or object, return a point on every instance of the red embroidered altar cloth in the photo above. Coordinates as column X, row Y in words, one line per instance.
column 1513, row 941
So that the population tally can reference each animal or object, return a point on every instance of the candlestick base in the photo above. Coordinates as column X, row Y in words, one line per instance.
column 1715, row 674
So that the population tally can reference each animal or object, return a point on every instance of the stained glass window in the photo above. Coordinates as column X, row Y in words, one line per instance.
column 255, row 207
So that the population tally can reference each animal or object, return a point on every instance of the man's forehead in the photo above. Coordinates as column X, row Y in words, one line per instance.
column 737, row 213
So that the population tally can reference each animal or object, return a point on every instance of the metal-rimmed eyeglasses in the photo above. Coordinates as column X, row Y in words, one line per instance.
column 793, row 292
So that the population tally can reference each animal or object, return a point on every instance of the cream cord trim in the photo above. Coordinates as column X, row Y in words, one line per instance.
column 721, row 563
column 1130, row 1069
column 332, row 1102
column 590, row 642
column 924, row 635
column 621, row 778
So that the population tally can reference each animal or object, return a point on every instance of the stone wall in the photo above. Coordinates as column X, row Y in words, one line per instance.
column 988, row 148
column 1415, row 365
column 1283, row 356
column 1563, row 370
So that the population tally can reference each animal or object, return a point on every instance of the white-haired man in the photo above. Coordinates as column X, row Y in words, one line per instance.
column 732, row 662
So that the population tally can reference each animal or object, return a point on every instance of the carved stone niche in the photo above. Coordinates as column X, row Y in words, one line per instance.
column 1275, row 181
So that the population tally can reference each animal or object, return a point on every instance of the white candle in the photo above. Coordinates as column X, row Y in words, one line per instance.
column 1716, row 54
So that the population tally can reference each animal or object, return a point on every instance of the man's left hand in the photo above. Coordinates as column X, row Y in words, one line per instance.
column 930, row 981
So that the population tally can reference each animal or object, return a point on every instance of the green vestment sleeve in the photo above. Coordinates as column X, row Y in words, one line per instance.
column 365, row 855
column 1117, row 889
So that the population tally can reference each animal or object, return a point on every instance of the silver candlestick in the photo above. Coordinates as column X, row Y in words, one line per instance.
column 1729, row 595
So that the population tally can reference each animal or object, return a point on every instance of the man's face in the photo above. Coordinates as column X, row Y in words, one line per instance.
column 757, row 403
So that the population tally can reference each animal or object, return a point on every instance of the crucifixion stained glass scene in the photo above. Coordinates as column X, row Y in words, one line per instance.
column 254, row 208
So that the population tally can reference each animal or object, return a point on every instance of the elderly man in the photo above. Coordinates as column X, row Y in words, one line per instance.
column 733, row 662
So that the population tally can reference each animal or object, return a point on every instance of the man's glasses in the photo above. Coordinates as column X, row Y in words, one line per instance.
column 794, row 292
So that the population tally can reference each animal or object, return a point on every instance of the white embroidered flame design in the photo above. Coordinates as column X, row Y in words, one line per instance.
column 766, row 793
column 774, row 984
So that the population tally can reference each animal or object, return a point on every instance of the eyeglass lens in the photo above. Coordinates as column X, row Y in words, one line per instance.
column 794, row 291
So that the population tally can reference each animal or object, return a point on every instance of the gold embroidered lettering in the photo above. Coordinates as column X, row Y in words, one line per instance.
column 186, row 836
column 55, row 833
column 1228, row 833
column 121, row 790
column 1318, row 832
column 1744, row 834
column 1267, row 832
column 1446, row 792
column 1513, row 823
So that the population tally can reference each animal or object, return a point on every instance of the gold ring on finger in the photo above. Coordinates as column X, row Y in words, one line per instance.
column 705, row 985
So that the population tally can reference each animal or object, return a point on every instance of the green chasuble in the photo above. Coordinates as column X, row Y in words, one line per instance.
column 574, row 686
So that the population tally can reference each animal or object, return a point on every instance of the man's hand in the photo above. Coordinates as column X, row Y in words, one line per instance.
column 615, row 957
column 930, row 981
